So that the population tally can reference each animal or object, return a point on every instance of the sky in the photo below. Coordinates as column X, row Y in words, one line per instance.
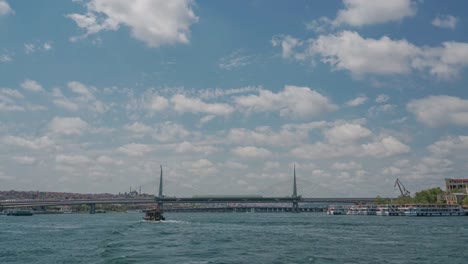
column 228, row 96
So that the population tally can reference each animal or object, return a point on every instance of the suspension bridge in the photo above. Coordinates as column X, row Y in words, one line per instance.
column 161, row 199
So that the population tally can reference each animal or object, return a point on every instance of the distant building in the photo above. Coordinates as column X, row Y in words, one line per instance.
column 456, row 190
column 458, row 185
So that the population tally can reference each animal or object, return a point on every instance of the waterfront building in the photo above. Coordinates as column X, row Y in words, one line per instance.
column 459, row 185
column 456, row 190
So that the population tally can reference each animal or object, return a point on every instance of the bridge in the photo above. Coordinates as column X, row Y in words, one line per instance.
column 162, row 199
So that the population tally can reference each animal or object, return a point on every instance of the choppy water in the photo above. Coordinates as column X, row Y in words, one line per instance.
column 232, row 238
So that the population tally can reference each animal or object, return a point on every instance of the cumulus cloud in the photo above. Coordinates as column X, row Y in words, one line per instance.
column 445, row 21
column 188, row 147
column 382, row 98
column 73, row 160
column 300, row 102
column 25, row 160
column 349, row 51
column 357, row 101
column 68, row 126
column 288, row 45
column 170, row 131
column 32, row 86
column 134, row 149
column 436, row 111
column 452, row 145
column 6, row 57
column 385, row 147
column 251, row 152
column 155, row 22
column 363, row 12
column 41, row 143
column 5, row 8
column 346, row 133
column 183, row 104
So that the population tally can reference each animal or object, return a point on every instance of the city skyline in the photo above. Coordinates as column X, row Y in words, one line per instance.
column 229, row 95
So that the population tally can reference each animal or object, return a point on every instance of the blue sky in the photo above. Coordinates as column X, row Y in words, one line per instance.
column 228, row 95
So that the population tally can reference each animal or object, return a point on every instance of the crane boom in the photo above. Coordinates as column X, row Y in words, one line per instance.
column 401, row 187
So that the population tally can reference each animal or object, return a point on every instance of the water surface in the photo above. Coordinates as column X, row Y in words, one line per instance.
column 232, row 238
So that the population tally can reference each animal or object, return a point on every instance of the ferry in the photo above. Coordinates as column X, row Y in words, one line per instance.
column 387, row 210
column 362, row 210
column 155, row 214
column 432, row 210
column 336, row 210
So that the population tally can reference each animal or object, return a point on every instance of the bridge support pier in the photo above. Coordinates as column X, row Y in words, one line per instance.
column 92, row 208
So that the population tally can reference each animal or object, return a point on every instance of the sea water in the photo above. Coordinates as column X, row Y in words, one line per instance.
column 232, row 238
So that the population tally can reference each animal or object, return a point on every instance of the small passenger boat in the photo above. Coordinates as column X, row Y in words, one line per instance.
column 336, row 210
column 155, row 214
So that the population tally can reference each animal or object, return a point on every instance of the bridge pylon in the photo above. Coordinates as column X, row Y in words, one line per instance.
column 160, row 194
column 295, row 203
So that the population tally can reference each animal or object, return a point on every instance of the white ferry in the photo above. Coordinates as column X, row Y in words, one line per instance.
column 362, row 210
column 431, row 210
column 387, row 210
column 336, row 210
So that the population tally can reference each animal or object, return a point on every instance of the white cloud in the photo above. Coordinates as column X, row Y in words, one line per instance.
column 25, row 160
column 30, row 48
column 288, row 45
column 155, row 22
column 41, row 143
column 445, row 21
column 81, row 90
column 74, row 160
column 357, row 101
column 251, row 152
column 234, row 60
column 6, row 57
column 346, row 166
column 157, row 103
column 264, row 135
column 5, row 8
column 169, row 131
column 134, row 149
column 68, row 125
column 138, row 128
column 187, row 148
column 61, row 101
column 9, row 100
column 346, row 133
column 320, row 150
column 382, row 98
column 293, row 101
column 450, row 146
column 349, row 51
column 106, row 160
column 363, row 12
column 183, row 104
column 31, row 85
column 436, row 111
column 385, row 147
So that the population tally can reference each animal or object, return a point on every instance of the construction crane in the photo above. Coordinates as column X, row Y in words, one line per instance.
column 402, row 188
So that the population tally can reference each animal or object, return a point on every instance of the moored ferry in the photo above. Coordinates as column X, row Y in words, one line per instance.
column 387, row 210
column 336, row 210
column 431, row 210
column 362, row 210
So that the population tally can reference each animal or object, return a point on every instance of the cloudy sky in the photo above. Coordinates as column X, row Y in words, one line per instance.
column 228, row 95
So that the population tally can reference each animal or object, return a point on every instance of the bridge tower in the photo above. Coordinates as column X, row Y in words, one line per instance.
column 160, row 194
column 295, row 204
